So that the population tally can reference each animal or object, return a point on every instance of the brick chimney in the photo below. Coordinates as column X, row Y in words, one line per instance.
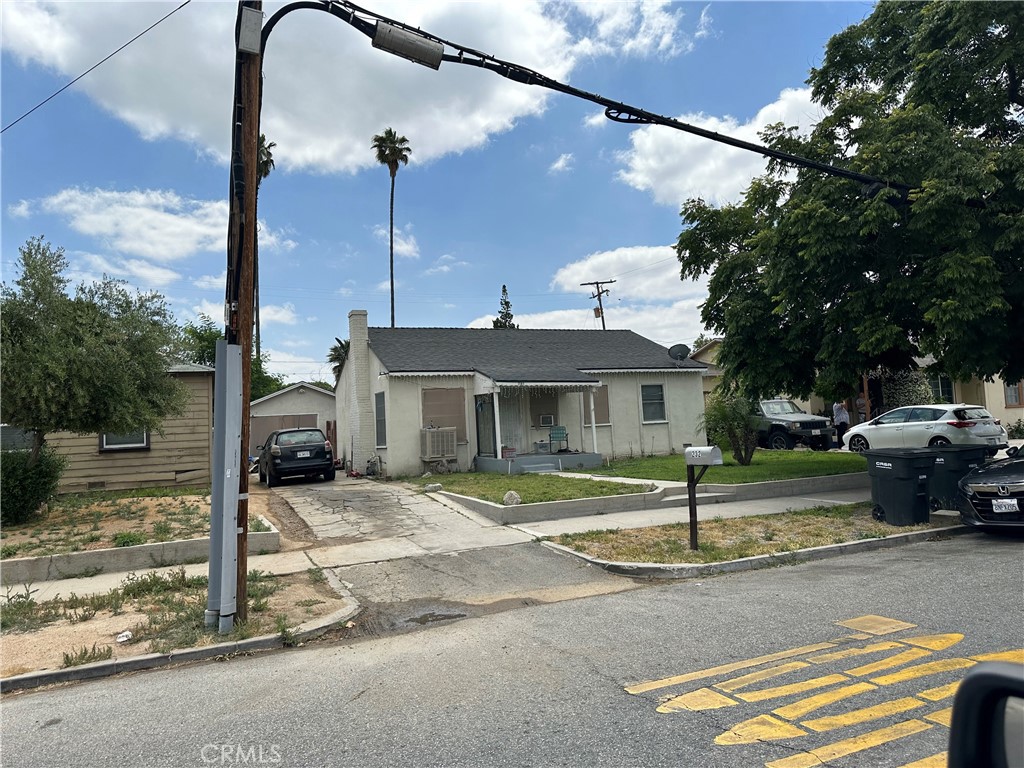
column 360, row 405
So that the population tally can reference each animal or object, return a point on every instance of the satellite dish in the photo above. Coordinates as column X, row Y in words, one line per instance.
column 679, row 352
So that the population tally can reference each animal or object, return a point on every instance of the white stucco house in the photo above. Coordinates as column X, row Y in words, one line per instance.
column 510, row 399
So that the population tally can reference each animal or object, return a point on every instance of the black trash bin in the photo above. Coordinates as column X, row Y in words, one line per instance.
column 899, row 483
column 952, row 462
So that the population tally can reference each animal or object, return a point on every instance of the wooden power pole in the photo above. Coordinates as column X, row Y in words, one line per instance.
column 598, row 292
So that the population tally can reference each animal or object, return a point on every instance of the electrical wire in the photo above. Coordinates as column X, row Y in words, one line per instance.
column 94, row 66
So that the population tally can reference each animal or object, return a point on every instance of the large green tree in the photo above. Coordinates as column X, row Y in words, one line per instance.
column 504, row 318
column 337, row 356
column 391, row 149
column 814, row 279
column 95, row 361
column 199, row 342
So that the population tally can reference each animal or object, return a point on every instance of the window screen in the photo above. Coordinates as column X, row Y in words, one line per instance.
column 446, row 408
column 600, row 406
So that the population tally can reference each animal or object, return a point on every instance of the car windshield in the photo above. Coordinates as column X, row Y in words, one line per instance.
column 779, row 407
column 972, row 414
column 304, row 437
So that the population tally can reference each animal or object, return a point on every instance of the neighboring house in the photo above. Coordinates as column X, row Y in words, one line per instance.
column 494, row 393
column 298, row 405
column 708, row 356
column 179, row 457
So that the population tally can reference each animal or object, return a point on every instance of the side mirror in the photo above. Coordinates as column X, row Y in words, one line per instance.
column 1012, row 451
column 987, row 729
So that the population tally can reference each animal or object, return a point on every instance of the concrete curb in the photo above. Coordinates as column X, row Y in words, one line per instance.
column 700, row 570
column 31, row 570
column 305, row 631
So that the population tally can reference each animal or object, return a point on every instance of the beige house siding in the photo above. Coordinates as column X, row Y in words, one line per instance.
column 179, row 457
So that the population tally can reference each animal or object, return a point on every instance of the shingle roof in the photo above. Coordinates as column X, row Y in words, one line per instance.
column 520, row 354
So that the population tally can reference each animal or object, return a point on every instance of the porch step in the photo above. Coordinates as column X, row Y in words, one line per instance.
column 540, row 469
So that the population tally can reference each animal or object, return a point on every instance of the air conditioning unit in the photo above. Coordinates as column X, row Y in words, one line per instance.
column 547, row 420
column 439, row 443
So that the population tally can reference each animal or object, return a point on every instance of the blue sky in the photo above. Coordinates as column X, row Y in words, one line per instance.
column 507, row 184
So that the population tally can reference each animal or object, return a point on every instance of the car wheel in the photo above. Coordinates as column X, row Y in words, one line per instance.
column 330, row 474
column 263, row 477
column 858, row 444
column 780, row 441
column 939, row 441
column 271, row 480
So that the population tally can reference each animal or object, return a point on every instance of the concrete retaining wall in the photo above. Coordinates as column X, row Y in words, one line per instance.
column 796, row 487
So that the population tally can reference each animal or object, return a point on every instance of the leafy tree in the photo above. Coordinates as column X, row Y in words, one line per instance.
column 504, row 318
column 323, row 385
column 261, row 381
column 93, row 362
column 392, row 149
column 702, row 340
column 728, row 422
column 199, row 341
column 337, row 356
column 815, row 280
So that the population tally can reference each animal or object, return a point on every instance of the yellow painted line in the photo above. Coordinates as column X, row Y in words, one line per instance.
column 805, row 706
column 726, row 669
column 942, row 717
column 761, row 728
column 825, row 658
column 854, row 636
column 935, row 761
column 756, row 677
column 786, row 690
column 876, row 625
column 935, row 642
column 865, row 715
column 697, row 701
column 896, row 660
column 946, row 691
column 923, row 670
column 1016, row 656
column 815, row 757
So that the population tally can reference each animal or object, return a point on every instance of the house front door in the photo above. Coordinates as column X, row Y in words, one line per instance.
column 484, row 407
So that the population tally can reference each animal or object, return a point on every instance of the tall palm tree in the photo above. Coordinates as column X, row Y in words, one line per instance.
column 337, row 355
column 391, row 150
column 264, row 165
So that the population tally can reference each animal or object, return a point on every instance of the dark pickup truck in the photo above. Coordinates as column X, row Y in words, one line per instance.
column 781, row 425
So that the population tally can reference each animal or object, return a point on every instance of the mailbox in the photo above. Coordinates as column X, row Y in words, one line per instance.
column 704, row 456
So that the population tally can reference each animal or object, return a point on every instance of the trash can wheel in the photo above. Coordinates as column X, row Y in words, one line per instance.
column 878, row 513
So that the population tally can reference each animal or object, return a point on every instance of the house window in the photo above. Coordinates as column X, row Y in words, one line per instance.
column 542, row 405
column 942, row 388
column 446, row 408
column 1013, row 394
column 652, row 397
column 129, row 441
column 600, row 407
column 381, row 416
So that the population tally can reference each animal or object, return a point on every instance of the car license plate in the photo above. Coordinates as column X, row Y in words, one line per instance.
column 815, row 431
column 1004, row 505
column 992, row 441
column 302, row 454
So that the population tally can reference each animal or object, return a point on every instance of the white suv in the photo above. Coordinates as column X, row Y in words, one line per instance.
column 921, row 426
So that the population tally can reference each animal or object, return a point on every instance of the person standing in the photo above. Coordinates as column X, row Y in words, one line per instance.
column 841, row 418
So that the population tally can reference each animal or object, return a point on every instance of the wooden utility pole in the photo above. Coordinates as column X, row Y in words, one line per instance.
column 597, row 295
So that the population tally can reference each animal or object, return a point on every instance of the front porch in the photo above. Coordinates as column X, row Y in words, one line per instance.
column 560, row 461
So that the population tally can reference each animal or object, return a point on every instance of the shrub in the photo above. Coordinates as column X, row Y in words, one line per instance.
column 129, row 539
column 727, row 422
column 1016, row 430
column 25, row 487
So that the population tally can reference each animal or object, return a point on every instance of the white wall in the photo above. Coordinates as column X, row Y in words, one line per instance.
column 302, row 399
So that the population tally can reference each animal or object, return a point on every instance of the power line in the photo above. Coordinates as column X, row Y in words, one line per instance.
column 90, row 69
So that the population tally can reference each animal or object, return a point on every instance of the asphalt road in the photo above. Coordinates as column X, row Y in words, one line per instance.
column 546, row 683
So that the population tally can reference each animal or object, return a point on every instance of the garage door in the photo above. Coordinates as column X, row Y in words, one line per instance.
column 261, row 426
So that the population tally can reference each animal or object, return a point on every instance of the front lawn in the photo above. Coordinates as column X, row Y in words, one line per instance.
column 766, row 465
column 531, row 488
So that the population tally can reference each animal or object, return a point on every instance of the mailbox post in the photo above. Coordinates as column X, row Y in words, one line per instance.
column 703, row 456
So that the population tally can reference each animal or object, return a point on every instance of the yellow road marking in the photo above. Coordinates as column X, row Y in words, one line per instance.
column 893, row 661
column 935, row 761
column 726, row 669
column 942, row 717
column 1016, row 656
column 942, row 692
column 923, row 670
column 761, row 728
column 935, row 642
column 824, row 658
column 697, row 701
column 756, row 677
column 811, row 703
column 814, row 757
column 875, row 625
column 854, row 636
column 786, row 690
column 865, row 715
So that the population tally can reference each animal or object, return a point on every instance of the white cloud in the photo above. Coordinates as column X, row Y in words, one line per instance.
column 211, row 282
column 595, row 120
column 643, row 29
column 19, row 210
column 704, row 24
column 673, row 165
column 641, row 273
column 212, row 309
column 298, row 367
column 285, row 314
column 444, row 264
column 405, row 242
column 143, row 274
column 562, row 164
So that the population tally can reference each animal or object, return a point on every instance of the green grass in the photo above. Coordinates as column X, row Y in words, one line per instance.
column 766, row 465
column 531, row 488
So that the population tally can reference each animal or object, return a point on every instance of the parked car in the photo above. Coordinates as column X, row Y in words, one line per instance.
column 923, row 426
column 992, row 496
column 289, row 452
column 781, row 425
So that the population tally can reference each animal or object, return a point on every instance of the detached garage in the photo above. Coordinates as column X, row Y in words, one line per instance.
column 299, row 405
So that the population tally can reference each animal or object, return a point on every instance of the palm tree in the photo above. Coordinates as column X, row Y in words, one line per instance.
column 337, row 355
column 391, row 150
column 264, row 165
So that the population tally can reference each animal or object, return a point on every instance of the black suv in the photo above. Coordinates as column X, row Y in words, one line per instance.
column 301, row 451
column 781, row 425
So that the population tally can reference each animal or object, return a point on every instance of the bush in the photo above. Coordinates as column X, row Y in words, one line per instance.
column 1016, row 430
column 24, row 488
column 728, row 423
